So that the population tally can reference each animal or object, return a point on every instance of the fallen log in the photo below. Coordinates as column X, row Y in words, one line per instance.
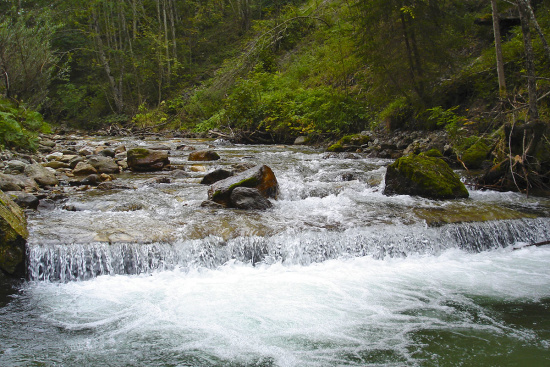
column 532, row 244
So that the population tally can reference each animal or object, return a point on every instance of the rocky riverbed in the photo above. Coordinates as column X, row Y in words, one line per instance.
column 70, row 162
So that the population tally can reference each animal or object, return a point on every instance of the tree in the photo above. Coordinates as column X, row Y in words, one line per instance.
column 27, row 62
column 409, row 44
column 498, row 49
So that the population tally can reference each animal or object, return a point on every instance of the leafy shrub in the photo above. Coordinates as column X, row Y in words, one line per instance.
column 19, row 127
column 398, row 114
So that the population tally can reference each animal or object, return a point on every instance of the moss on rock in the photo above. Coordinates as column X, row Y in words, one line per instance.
column 336, row 148
column 13, row 235
column 423, row 176
column 435, row 153
column 349, row 143
column 475, row 155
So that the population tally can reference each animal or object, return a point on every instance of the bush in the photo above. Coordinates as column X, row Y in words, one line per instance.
column 19, row 127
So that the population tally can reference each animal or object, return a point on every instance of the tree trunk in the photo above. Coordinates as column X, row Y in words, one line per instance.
column 529, row 61
column 117, row 92
column 498, row 50
column 537, row 27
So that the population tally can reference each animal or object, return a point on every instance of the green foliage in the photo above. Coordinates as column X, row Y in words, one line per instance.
column 274, row 103
column 19, row 127
column 27, row 62
column 398, row 114
column 150, row 117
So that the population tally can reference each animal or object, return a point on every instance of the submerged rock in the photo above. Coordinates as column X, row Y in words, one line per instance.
column 13, row 236
column 145, row 160
column 260, row 177
column 423, row 176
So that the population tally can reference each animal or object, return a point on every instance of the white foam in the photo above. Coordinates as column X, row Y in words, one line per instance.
column 296, row 315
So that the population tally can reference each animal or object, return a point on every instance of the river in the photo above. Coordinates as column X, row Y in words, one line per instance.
column 336, row 274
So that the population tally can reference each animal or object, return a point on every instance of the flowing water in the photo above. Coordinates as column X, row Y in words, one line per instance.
column 336, row 274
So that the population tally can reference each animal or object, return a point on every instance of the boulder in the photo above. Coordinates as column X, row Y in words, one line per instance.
column 107, row 152
column 13, row 236
column 104, row 164
column 24, row 200
column 215, row 176
column 41, row 175
column 144, row 160
column 475, row 155
column 83, row 168
column 16, row 165
column 260, row 177
column 203, row 155
column 249, row 199
column 17, row 183
column 75, row 161
column 424, row 176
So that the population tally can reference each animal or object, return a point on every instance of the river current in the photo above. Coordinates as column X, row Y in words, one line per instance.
column 335, row 274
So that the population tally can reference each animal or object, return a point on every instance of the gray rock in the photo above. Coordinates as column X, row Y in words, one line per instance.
column 249, row 199
column 17, row 183
column 41, row 175
column 47, row 142
column 92, row 180
column 179, row 173
column 75, row 161
column 107, row 152
column 24, row 200
column 104, row 164
column 16, row 165
column 300, row 140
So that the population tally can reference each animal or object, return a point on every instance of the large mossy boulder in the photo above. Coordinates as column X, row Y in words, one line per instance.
column 260, row 177
column 420, row 175
column 13, row 236
column 475, row 155
column 145, row 160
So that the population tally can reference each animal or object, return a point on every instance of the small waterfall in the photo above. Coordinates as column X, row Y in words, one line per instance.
column 67, row 262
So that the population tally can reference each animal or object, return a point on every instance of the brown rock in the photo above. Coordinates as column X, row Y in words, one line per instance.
column 260, row 177
column 203, row 155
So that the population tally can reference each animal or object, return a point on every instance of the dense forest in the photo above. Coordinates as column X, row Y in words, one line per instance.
column 480, row 69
